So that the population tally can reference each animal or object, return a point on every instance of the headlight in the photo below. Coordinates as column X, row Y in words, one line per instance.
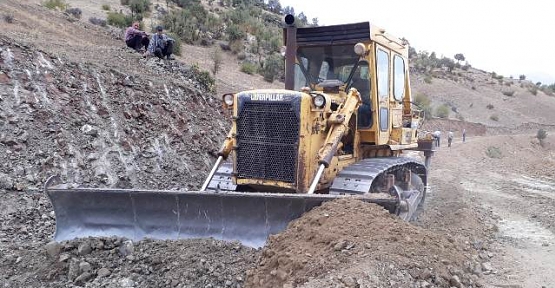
column 360, row 49
column 319, row 101
column 228, row 99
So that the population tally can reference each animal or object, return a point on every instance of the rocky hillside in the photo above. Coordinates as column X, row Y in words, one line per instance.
column 98, row 125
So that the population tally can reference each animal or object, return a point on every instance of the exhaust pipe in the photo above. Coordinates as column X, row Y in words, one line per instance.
column 290, row 51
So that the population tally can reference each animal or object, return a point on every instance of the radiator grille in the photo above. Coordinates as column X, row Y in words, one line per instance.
column 267, row 140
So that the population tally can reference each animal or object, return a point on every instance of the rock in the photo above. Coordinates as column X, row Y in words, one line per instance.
column 84, row 267
column 64, row 257
column 340, row 245
column 84, row 248
column 73, row 271
column 455, row 281
column 6, row 182
column 486, row 267
column 89, row 130
column 126, row 283
column 83, row 277
column 53, row 249
column 103, row 272
column 126, row 248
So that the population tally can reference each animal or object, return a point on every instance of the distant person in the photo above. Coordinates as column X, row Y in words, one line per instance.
column 135, row 38
column 450, row 136
column 437, row 137
column 160, row 45
column 464, row 135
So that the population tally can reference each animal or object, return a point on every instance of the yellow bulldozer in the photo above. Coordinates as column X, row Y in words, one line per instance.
column 342, row 127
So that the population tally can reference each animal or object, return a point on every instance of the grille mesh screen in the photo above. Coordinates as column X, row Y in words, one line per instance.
column 267, row 140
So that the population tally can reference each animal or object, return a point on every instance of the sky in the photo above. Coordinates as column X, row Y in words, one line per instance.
column 510, row 38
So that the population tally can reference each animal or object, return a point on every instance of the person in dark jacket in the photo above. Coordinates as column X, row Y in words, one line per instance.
column 160, row 45
column 135, row 38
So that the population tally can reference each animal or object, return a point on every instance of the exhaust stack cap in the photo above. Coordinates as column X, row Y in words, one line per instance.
column 289, row 20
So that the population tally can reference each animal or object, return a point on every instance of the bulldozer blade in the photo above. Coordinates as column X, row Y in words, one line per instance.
column 138, row 214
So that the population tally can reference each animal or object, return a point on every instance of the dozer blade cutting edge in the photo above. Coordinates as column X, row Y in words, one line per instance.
column 138, row 214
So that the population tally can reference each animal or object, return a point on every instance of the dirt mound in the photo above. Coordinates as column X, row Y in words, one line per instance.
column 351, row 243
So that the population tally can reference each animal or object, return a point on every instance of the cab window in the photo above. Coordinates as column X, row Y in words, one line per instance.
column 383, row 73
column 398, row 77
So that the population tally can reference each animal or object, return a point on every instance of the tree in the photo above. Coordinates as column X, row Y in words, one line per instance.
column 459, row 57
column 289, row 10
column 302, row 18
column 522, row 77
column 315, row 21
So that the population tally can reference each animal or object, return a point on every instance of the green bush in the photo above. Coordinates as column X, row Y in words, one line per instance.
column 424, row 103
column 124, row 2
column 139, row 6
column 53, row 4
column 272, row 66
column 234, row 33
column 489, row 106
column 494, row 117
column 248, row 68
column 494, row 152
column 442, row 111
column 176, row 44
column 106, row 7
column 203, row 78
column 428, row 79
column 119, row 19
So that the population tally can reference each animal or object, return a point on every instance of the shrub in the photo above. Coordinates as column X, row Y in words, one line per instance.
column 494, row 152
column 176, row 44
column 106, row 7
column 248, row 68
column 8, row 18
column 442, row 111
column 473, row 87
column 98, row 21
column 428, row 79
column 241, row 56
column 533, row 90
column 522, row 77
column 465, row 67
column 124, row 2
column 234, row 32
column 509, row 93
column 423, row 102
column 541, row 135
column 75, row 12
column 494, row 117
column 272, row 66
column 53, row 4
column 203, row 78
column 489, row 106
column 139, row 6
column 119, row 19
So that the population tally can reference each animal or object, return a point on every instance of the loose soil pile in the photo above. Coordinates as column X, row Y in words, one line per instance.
column 350, row 243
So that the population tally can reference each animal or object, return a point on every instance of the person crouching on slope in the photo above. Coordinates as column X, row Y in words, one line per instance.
column 135, row 38
column 160, row 45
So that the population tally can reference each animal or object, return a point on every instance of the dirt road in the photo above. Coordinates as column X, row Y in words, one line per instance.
column 511, row 196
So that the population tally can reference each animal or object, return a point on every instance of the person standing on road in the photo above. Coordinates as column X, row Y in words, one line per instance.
column 464, row 135
column 437, row 137
column 450, row 136
column 160, row 45
column 135, row 38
